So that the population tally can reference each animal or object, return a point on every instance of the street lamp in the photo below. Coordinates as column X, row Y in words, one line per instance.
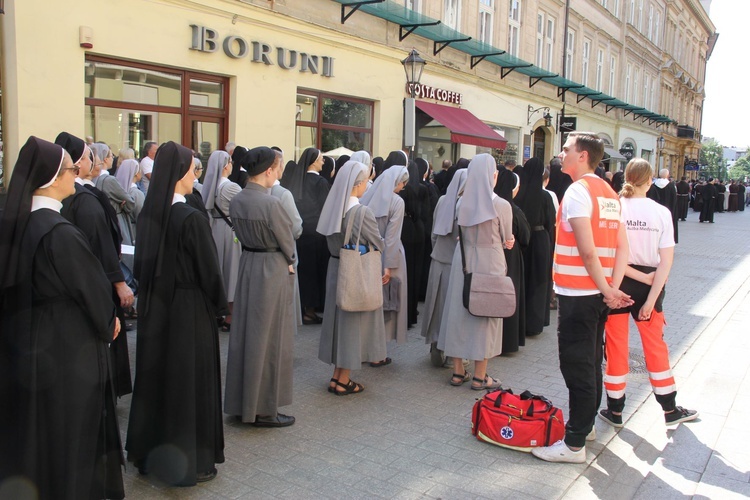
column 659, row 148
column 413, row 66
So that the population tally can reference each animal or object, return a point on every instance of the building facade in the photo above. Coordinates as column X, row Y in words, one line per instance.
column 502, row 76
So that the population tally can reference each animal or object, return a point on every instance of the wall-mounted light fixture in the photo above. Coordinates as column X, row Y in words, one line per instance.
column 547, row 117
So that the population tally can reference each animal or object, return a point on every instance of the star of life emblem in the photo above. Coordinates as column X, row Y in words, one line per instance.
column 506, row 432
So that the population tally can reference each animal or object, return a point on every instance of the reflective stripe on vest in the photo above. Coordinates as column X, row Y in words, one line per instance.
column 568, row 270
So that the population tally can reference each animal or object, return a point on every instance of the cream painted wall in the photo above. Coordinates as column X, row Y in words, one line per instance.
column 44, row 75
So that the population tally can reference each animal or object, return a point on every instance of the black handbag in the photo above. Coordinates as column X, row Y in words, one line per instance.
column 392, row 295
column 129, row 278
column 487, row 295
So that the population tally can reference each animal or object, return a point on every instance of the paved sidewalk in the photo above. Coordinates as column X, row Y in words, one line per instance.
column 408, row 435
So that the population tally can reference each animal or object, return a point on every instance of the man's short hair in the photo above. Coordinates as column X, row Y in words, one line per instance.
column 555, row 162
column 592, row 144
column 447, row 164
column 664, row 173
column 684, row 178
column 510, row 163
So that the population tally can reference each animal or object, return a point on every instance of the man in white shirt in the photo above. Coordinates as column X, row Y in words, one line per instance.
column 147, row 164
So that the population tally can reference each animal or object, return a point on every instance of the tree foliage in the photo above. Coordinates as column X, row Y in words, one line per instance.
column 741, row 168
column 712, row 159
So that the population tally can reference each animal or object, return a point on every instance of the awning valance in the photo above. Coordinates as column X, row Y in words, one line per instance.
column 614, row 154
column 465, row 127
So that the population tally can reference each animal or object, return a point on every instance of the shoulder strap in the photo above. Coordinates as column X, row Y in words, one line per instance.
column 461, row 245
column 348, row 230
column 224, row 216
column 361, row 216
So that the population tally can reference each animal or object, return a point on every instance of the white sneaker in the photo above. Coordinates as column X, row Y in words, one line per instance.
column 559, row 452
column 591, row 435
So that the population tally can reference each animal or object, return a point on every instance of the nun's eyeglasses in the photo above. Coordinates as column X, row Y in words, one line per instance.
column 74, row 169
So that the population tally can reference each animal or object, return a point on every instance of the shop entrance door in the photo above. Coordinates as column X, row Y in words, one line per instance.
column 206, row 136
column 539, row 143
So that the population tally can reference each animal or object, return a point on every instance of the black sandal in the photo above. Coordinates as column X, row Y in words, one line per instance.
column 313, row 319
column 378, row 364
column 226, row 327
column 351, row 388
column 333, row 389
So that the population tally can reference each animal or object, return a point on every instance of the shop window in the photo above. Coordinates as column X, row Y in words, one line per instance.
column 128, row 104
column 329, row 121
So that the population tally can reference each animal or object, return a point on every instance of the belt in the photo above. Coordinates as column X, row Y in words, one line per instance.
column 334, row 257
column 678, row 194
column 537, row 228
column 260, row 250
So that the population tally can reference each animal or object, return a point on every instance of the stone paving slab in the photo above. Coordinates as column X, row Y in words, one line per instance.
column 408, row 435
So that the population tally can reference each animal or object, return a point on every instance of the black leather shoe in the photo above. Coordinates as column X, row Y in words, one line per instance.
column 202, row 477
column 280, row 420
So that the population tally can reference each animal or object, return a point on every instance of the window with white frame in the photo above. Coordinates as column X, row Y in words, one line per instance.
column 452, row 13
column 486, row 12
column 634, row 100
column 539, row 39
column 514, row 27
column 549, row 44
column 604, row 3
column 599, row 69
column 646, row 85
column 585, row 61
column 657, row 21
column 627, row 82
column 415, row 5
column 612, row 74
column 651, row 95
column 617, row 8
column 631, row 14
column 569, row 51
column 640, row 16
column 649, row 35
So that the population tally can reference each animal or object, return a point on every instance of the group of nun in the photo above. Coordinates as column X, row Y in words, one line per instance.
column 232, row 252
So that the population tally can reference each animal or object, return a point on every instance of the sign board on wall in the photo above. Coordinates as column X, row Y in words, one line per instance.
column 568, row 124
column 426, row 92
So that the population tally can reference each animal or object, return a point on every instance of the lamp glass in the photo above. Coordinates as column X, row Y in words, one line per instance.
column 413, row 66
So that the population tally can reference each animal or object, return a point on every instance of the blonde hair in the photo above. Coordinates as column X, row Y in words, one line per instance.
column 361, row 177
column 637, row 173
column 126, row 154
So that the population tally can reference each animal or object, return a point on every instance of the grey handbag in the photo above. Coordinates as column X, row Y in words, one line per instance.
column 359, row 279
column 487, row 295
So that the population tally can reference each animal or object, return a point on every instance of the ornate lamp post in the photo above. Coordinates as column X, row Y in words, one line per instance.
column 413, row 66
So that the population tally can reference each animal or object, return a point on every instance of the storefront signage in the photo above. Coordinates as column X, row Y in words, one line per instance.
column 426, row 92
column 568, row 124
column 236, row 47
column 627, row 150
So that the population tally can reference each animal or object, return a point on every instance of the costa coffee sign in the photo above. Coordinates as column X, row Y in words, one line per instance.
column 427, row 92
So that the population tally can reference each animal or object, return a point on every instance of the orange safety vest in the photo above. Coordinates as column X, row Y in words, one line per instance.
column 568, row 270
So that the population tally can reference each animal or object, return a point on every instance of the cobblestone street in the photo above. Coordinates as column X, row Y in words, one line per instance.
column 408, row 435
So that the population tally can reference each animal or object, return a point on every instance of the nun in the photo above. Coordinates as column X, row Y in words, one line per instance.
column 90, row 211
column 537, row 256
column 218, row 192
column 238, row 175
column 485, row 222
column 287, row 201
column 310, row 191
column 444, row 237
column 261, row 346
column 388, row 207
column 514, row 327
column 127, row 175
column 176, row 432
column 58, row 426
column 349, row 339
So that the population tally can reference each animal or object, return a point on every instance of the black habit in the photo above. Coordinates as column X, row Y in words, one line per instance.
column 58, row 422
column 312, row 247
column 89, row 210
column 666, row 196
column 708, row 199
column 683, row 199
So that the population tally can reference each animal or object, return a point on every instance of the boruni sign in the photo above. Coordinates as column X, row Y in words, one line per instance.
column 236, row 47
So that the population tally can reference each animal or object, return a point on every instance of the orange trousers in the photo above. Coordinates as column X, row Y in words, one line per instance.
column 657, row 360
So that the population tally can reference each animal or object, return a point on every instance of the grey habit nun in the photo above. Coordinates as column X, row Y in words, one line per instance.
column 388, row 208
column 444, row 238
column 261, row 346
column 348, row 339
column 486, row 225
column 218, row 192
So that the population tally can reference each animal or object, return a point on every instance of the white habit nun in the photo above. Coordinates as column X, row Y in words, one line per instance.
column 444, row 238
column 388, row 208
column 486, row 224
column 217, row 193
column 348, row 339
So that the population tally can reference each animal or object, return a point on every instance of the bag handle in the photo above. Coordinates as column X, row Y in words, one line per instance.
column 348, row 230
column 527, row 395
column 461, row 244
column 360, row 213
